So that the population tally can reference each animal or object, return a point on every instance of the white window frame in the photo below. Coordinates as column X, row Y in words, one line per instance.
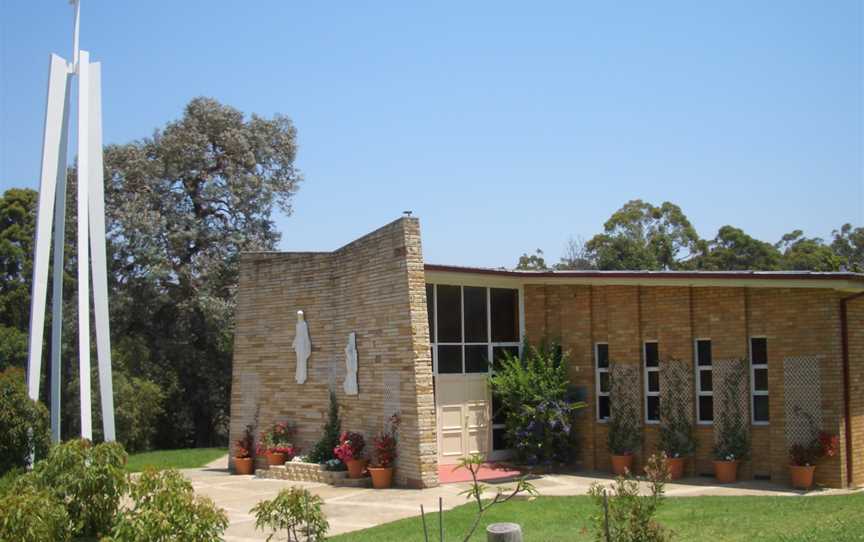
column 646, row 370
column 753, row 391
column 699, row 369
column 597, row 371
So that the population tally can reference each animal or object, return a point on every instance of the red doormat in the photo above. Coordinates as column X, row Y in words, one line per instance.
column 449, row 474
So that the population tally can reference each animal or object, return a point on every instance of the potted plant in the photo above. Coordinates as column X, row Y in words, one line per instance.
column 731, row 424
column 677, row 443
column 677, row 440
column 385, row 445
column 732, row 447
column 803, row 458
column 350, row 452
column 624, row 437
column 244, row 463
column 275, row 443
column 623, row 441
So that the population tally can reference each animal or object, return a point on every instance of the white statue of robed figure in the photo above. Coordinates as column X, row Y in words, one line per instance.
column 302, row 347
column 351, row 365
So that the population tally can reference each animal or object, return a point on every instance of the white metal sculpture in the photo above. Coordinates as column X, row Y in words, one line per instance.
column 90, row 236
column 350, row 385
column 302, row 347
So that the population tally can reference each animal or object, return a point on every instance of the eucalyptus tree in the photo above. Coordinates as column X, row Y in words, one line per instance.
column 182, row 205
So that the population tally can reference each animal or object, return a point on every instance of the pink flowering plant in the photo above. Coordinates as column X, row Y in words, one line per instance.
column 351, row 446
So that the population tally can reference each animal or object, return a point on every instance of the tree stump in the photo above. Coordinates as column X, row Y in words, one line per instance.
column 504, row 532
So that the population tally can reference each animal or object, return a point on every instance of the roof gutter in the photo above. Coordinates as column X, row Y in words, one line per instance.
column 847, row 393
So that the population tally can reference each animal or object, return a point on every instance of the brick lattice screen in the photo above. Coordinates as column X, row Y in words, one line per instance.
column 676, row 388
column 803, row 399
column 731, row 392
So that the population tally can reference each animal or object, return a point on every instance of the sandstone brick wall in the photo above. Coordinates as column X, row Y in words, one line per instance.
column 796, row 321
column 374, row 286
column 855, row 326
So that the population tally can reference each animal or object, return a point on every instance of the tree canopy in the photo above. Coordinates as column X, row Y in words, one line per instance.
column 181, row 206
column 642, row 236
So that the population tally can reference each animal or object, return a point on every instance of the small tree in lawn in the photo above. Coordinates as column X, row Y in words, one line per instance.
column 296, row 512
column 627, row 515
column 472, row 464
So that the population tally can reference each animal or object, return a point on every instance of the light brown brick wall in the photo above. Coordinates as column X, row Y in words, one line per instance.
column 797, row 322
column 375, row 287
column 855, row 327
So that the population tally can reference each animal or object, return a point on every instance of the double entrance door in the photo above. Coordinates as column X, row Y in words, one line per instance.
column 463, row 408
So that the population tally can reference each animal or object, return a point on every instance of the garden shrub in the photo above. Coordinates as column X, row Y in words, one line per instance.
column 89, row 480
column 165, row 508
column 296, row 512
column 627, row 515
column 538, row 404
column 20, row 418
column 31, row 513
column 323, row 449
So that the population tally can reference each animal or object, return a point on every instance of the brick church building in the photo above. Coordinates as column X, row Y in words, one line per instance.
column 425, row 335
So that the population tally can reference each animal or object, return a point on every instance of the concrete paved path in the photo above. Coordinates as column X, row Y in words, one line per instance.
column 350, row 509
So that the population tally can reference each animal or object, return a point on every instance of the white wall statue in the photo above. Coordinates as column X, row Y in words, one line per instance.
column 90, row 233
column 302, row 347
column 351, row 365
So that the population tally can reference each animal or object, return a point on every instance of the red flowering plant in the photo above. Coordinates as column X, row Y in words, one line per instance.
column 244, row 446
column 277, row 439
column 385, row 444
column 351, row 446
column 807, row 455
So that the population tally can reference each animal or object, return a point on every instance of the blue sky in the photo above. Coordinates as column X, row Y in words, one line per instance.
column 505, row 126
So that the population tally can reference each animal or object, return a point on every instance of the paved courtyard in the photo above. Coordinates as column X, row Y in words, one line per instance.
column 350, row 509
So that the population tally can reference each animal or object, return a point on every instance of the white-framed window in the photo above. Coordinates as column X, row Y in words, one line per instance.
column 468, row 327
column 704, row 382
column 602, row 382
column 651, row 357
column 759, row 380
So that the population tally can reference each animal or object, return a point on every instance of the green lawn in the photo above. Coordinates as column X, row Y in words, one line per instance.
column 178, row 459
column 745, row 519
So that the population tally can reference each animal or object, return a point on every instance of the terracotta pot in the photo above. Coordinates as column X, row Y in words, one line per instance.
column 356, row 468
column 621, row 464
column 676, row 467
column 726, row 472
column 244, row 465
column 382, row 477
column 802, row 476
column 275, row 458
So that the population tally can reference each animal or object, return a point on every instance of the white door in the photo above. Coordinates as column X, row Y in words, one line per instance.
column 463, row 410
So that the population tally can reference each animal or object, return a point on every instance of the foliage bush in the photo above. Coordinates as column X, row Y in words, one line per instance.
column 20, row 417
column 165, row 508
column 138, row 406
column 32, row 513
column 538, row 404
column 89, row 480
column 627, row 515
column 295, row 511
column 323, row 449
